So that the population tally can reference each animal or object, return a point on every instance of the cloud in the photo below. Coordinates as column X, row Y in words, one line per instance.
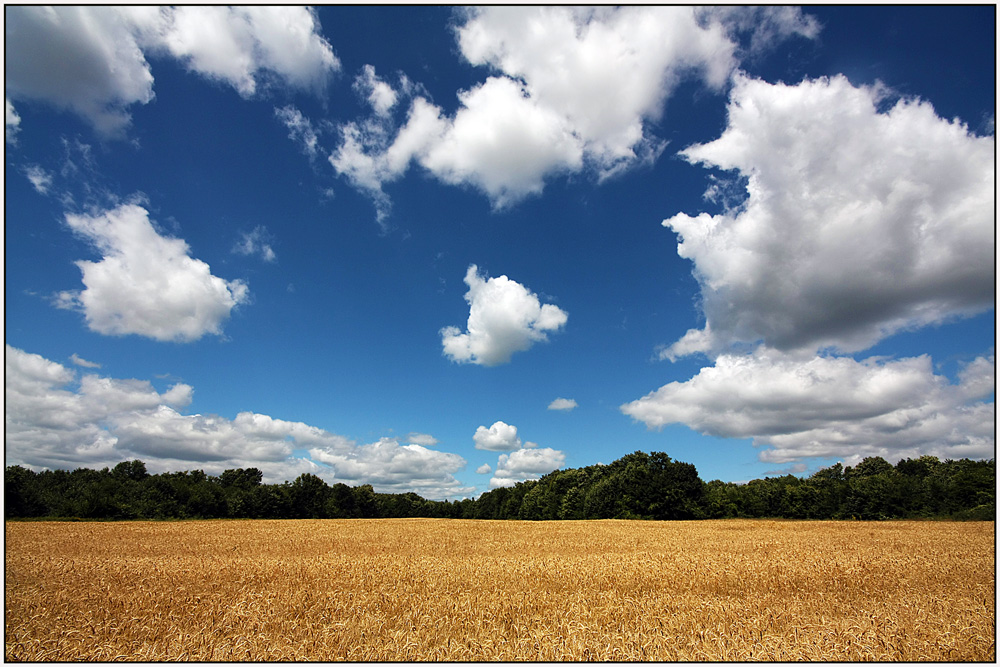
column 525, row 464
column 565, row 404
column 857, row 223
column 604, row 72
column 422, row 439
column 501, row 437
column 256, row 242
column 11, row 122
column 801, row 407
column 76, row 359
column 762, row 27
column 48, row 425
column 570, row 91
column 85, row 59
column 300, row 129
column 394, row 468
column 40, row 179
column 504, row 318
column 379, row 94
column 239, row 45
column 54, row 420
column 92, row 60
column 504, row 143
column 147, row 284
column 368, row 156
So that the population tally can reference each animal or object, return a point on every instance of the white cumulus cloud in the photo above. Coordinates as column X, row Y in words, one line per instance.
column 147, row 284
column 522, row 462
column 858, row 223
column 800, row 407
column 239, row 45
column 525, row 464
column 504, row 318
column 503, row 142
column 501, row 437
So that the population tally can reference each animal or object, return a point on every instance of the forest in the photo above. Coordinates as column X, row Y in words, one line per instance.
column 637, row 486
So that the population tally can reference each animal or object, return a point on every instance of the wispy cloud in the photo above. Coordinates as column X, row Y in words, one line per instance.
column 256, row 242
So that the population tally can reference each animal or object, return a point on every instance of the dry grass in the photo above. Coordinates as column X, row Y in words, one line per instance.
column 424, row 589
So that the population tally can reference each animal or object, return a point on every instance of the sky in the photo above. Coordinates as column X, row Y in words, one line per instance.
column 444, row 250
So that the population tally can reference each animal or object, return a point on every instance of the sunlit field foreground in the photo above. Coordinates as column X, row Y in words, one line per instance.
column 438, row 589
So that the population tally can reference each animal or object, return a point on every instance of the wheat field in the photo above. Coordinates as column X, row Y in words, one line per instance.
column 450, row 590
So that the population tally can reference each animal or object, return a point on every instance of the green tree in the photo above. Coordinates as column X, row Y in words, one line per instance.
column 130, row 470
column 308, row 495
column 21, row 493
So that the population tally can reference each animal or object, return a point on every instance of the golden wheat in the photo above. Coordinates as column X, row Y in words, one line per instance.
column 426, row 589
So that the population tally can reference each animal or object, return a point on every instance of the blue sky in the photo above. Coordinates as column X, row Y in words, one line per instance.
column 380, row 244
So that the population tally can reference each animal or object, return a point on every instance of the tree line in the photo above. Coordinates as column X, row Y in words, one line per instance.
column 636, row 486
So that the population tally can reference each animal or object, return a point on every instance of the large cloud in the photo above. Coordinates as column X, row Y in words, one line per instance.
column 54, row 420
column 570, row 90
column 504, row 318
column 147, row 284
column 92, row 60
column 858, row 223
column 832, row 407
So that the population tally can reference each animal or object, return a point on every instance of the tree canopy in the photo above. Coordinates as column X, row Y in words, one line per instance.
column 637, row 486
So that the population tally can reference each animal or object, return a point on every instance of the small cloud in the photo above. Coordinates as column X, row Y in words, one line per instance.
column 501, row 437
column 12, row 122
column 504, row 318
column 565, row 404
column 300, row 129
column 76, row 359
column 257, row 242
column 40, row 179
column 67, row 300
column 484, row 469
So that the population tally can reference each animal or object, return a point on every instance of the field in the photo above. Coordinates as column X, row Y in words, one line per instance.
column 430, row 589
